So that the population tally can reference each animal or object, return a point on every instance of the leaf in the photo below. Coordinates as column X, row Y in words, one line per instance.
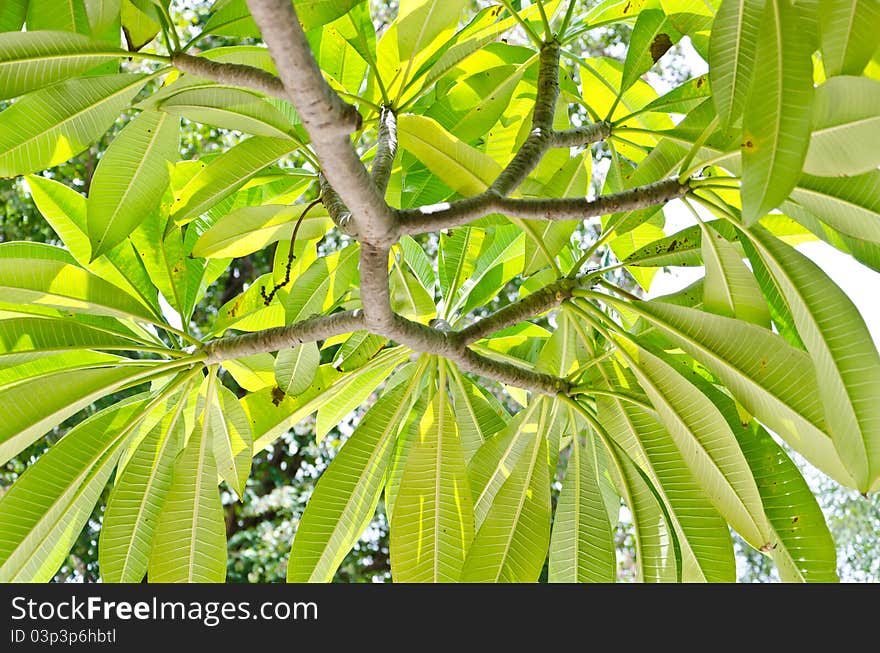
column 43, row 512
column 62, row 394
column 41, row 335
column 729, row 288
column 733, row 49
column 850, row 205
column 139, row 27
column 226, row 423
column 55, row 123
column 33, row 60
column 464, row 168
column 581, row 546
column 231, row 17
column 319, row 287
column 353, row 390
column 189, row 544
column 704, row 537
column 513, row 525
column 805, row 551
column 135, row 504
column 706, row 443
column 252, row 373
column 357, row 350
column 346, row 495
column 229, row 108
column 433, row 525
column 251, row 228
column 848, row 35
column 846, row 128
column 226, row 174
column 130, row 179
column 65, row 210
column 776, row 125
column 50, row 15
column 66, row 287
column 12, row 15
column 772, row 379
column 842, row 350
column 475, row 416
column 295, row 367
column 651, row 38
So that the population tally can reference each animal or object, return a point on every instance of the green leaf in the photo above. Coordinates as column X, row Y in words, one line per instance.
column 346, row 495
column 251, row 228
column 43, row 512
column 704, row 537
column 65, row 210
column 772, row 379
column 464, row 168
column 477, row 419
column 130, row 179
column 232, row 18
column 229, row 108
column 12, row 15
column 226, row 423
column 295, row 368
column 805, row 552
column 512, row 505
column 55, row 123
column 226, row 174
column 848, row 35
column 850, row 205
column 776, row 125
column 730, row 288
column 651, row 38
column 135, row 504
column 433, row 517
column 139, row 27
column 357, row 350
column 581, row 546
column 706, row 443
column 66, row 287
column 32, row 60
column 42, row 335
column 252, row 373
column 50, row 15
column 322, row 285
column 63, row 394
column 846, row 128
column 733, row 49
column 189, row 544
column 842, row 350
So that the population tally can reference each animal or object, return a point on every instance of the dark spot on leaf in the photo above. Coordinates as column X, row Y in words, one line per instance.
column 627, row 7
column 659, row 46
column 277, row 395
column 748, row 145
column 700, row 81
column 795, row 519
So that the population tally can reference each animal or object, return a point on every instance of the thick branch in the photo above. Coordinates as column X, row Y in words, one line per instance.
column 453, row 214
column 539, row 139
column 386, row 150
column 529, row 306
column 575, row 208
column 328, row 120
column 309, row 330
column 580, row 136
column 231, row 73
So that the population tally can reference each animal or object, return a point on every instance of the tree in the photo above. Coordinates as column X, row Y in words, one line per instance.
column 457, row 277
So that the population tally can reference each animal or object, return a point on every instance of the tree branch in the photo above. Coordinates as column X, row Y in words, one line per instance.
column 539, row 139
column 538, row 302
column 581, row 136
column 231, row 73
column 386, row 150
column 453, row 214
column 278, row 338
column 328, row 120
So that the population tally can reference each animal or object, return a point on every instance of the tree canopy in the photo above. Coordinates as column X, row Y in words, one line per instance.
column 462, row 206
